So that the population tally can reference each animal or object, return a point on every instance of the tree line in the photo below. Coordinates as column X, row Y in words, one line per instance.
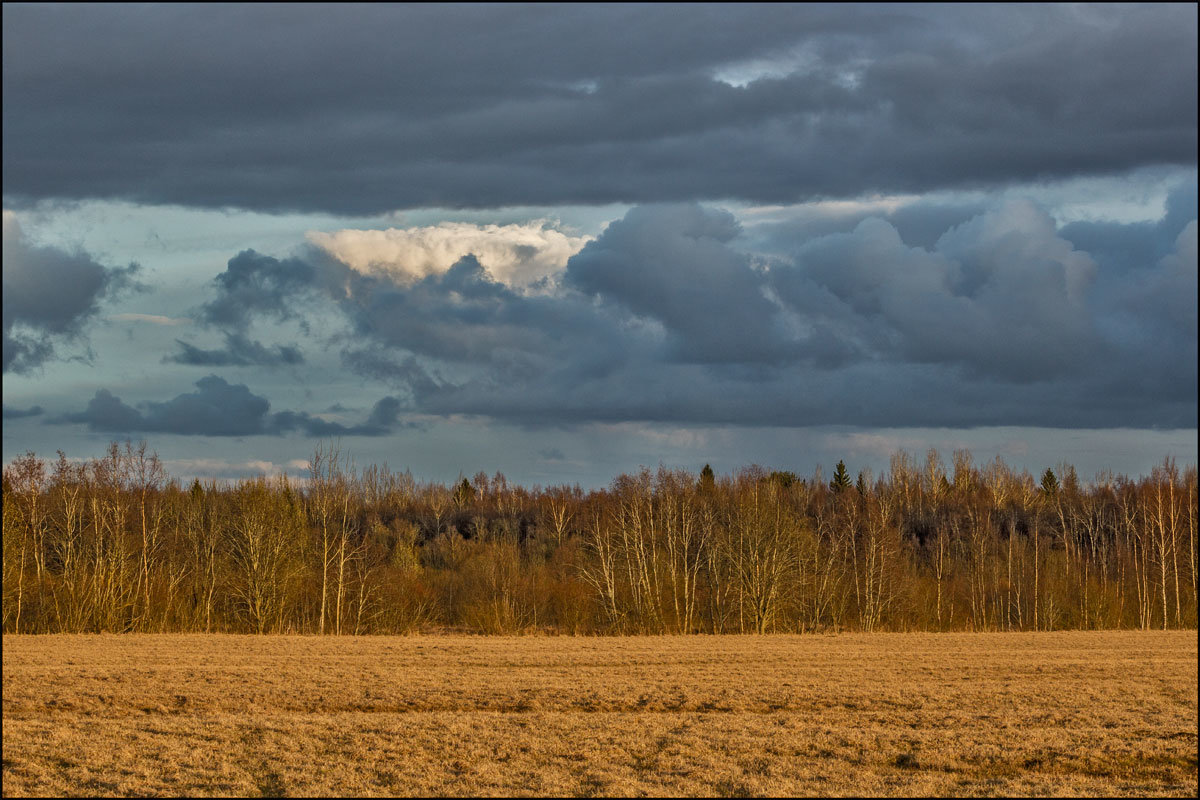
column 114, row 544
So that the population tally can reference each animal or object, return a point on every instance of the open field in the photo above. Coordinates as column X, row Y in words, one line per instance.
column 1109, row 713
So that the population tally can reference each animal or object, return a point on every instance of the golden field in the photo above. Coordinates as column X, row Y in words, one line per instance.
column 1066, row 713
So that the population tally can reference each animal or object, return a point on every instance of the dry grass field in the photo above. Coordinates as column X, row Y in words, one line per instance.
column 1079, row 713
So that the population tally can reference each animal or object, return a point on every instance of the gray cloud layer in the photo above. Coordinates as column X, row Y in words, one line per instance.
column 20, row 413
column 49, row 295
column 669, row 315
column 239, row 351
column 365, row 109
column 219, row 408
column 250, row 287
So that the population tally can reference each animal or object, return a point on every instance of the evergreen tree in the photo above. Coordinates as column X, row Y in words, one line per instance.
column 708, row 480
column 464, row 494
column 1049, row 483
column 841, row 478
column 1070, row 480
column 785, row 478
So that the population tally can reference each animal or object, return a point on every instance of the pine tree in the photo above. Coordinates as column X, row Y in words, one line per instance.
column 708, row 480
column 784, row 478
column 464, row 494
column 1049, row 483
column 841, row 479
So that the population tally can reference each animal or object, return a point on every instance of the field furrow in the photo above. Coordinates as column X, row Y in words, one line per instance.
column 1069, row 713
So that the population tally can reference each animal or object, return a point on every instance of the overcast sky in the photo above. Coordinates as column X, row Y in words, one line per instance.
column 565, row 241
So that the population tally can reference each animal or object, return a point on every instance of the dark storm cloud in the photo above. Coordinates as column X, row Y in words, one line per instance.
column 465, row 317
column 19, row 413
column 364, row 109
column 257, row 285
column 252, row 286
column 1000, row 295
column 667, row 316
column 663, row 284
column 1131, row 247
column 49, row 295
column 239, row 351
column 383, row 419
column 873, row 394
column 674, row 264
column 216, row 408
column 919, row 224
column 380, row 362
column 1147, row 290
column 219, row 408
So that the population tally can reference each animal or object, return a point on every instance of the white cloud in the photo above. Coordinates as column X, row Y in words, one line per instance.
column 878, row 447
column 657, row 433
column 226, row 469
column 155, row 319
column 517, row 254
column 877, row 204
column 739, row 74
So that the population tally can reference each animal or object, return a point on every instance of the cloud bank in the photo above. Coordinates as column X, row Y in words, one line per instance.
column 674, row 314
column 239, row 351
column 219, row 408
column 586, row 104
column 20, row 413
column 512, row 254
column 780, row 264
column 49, row 296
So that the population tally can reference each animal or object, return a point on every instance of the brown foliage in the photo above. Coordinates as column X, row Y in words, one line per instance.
column 114, row 545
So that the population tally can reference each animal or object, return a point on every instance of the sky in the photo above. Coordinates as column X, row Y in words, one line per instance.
column 566, row 241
